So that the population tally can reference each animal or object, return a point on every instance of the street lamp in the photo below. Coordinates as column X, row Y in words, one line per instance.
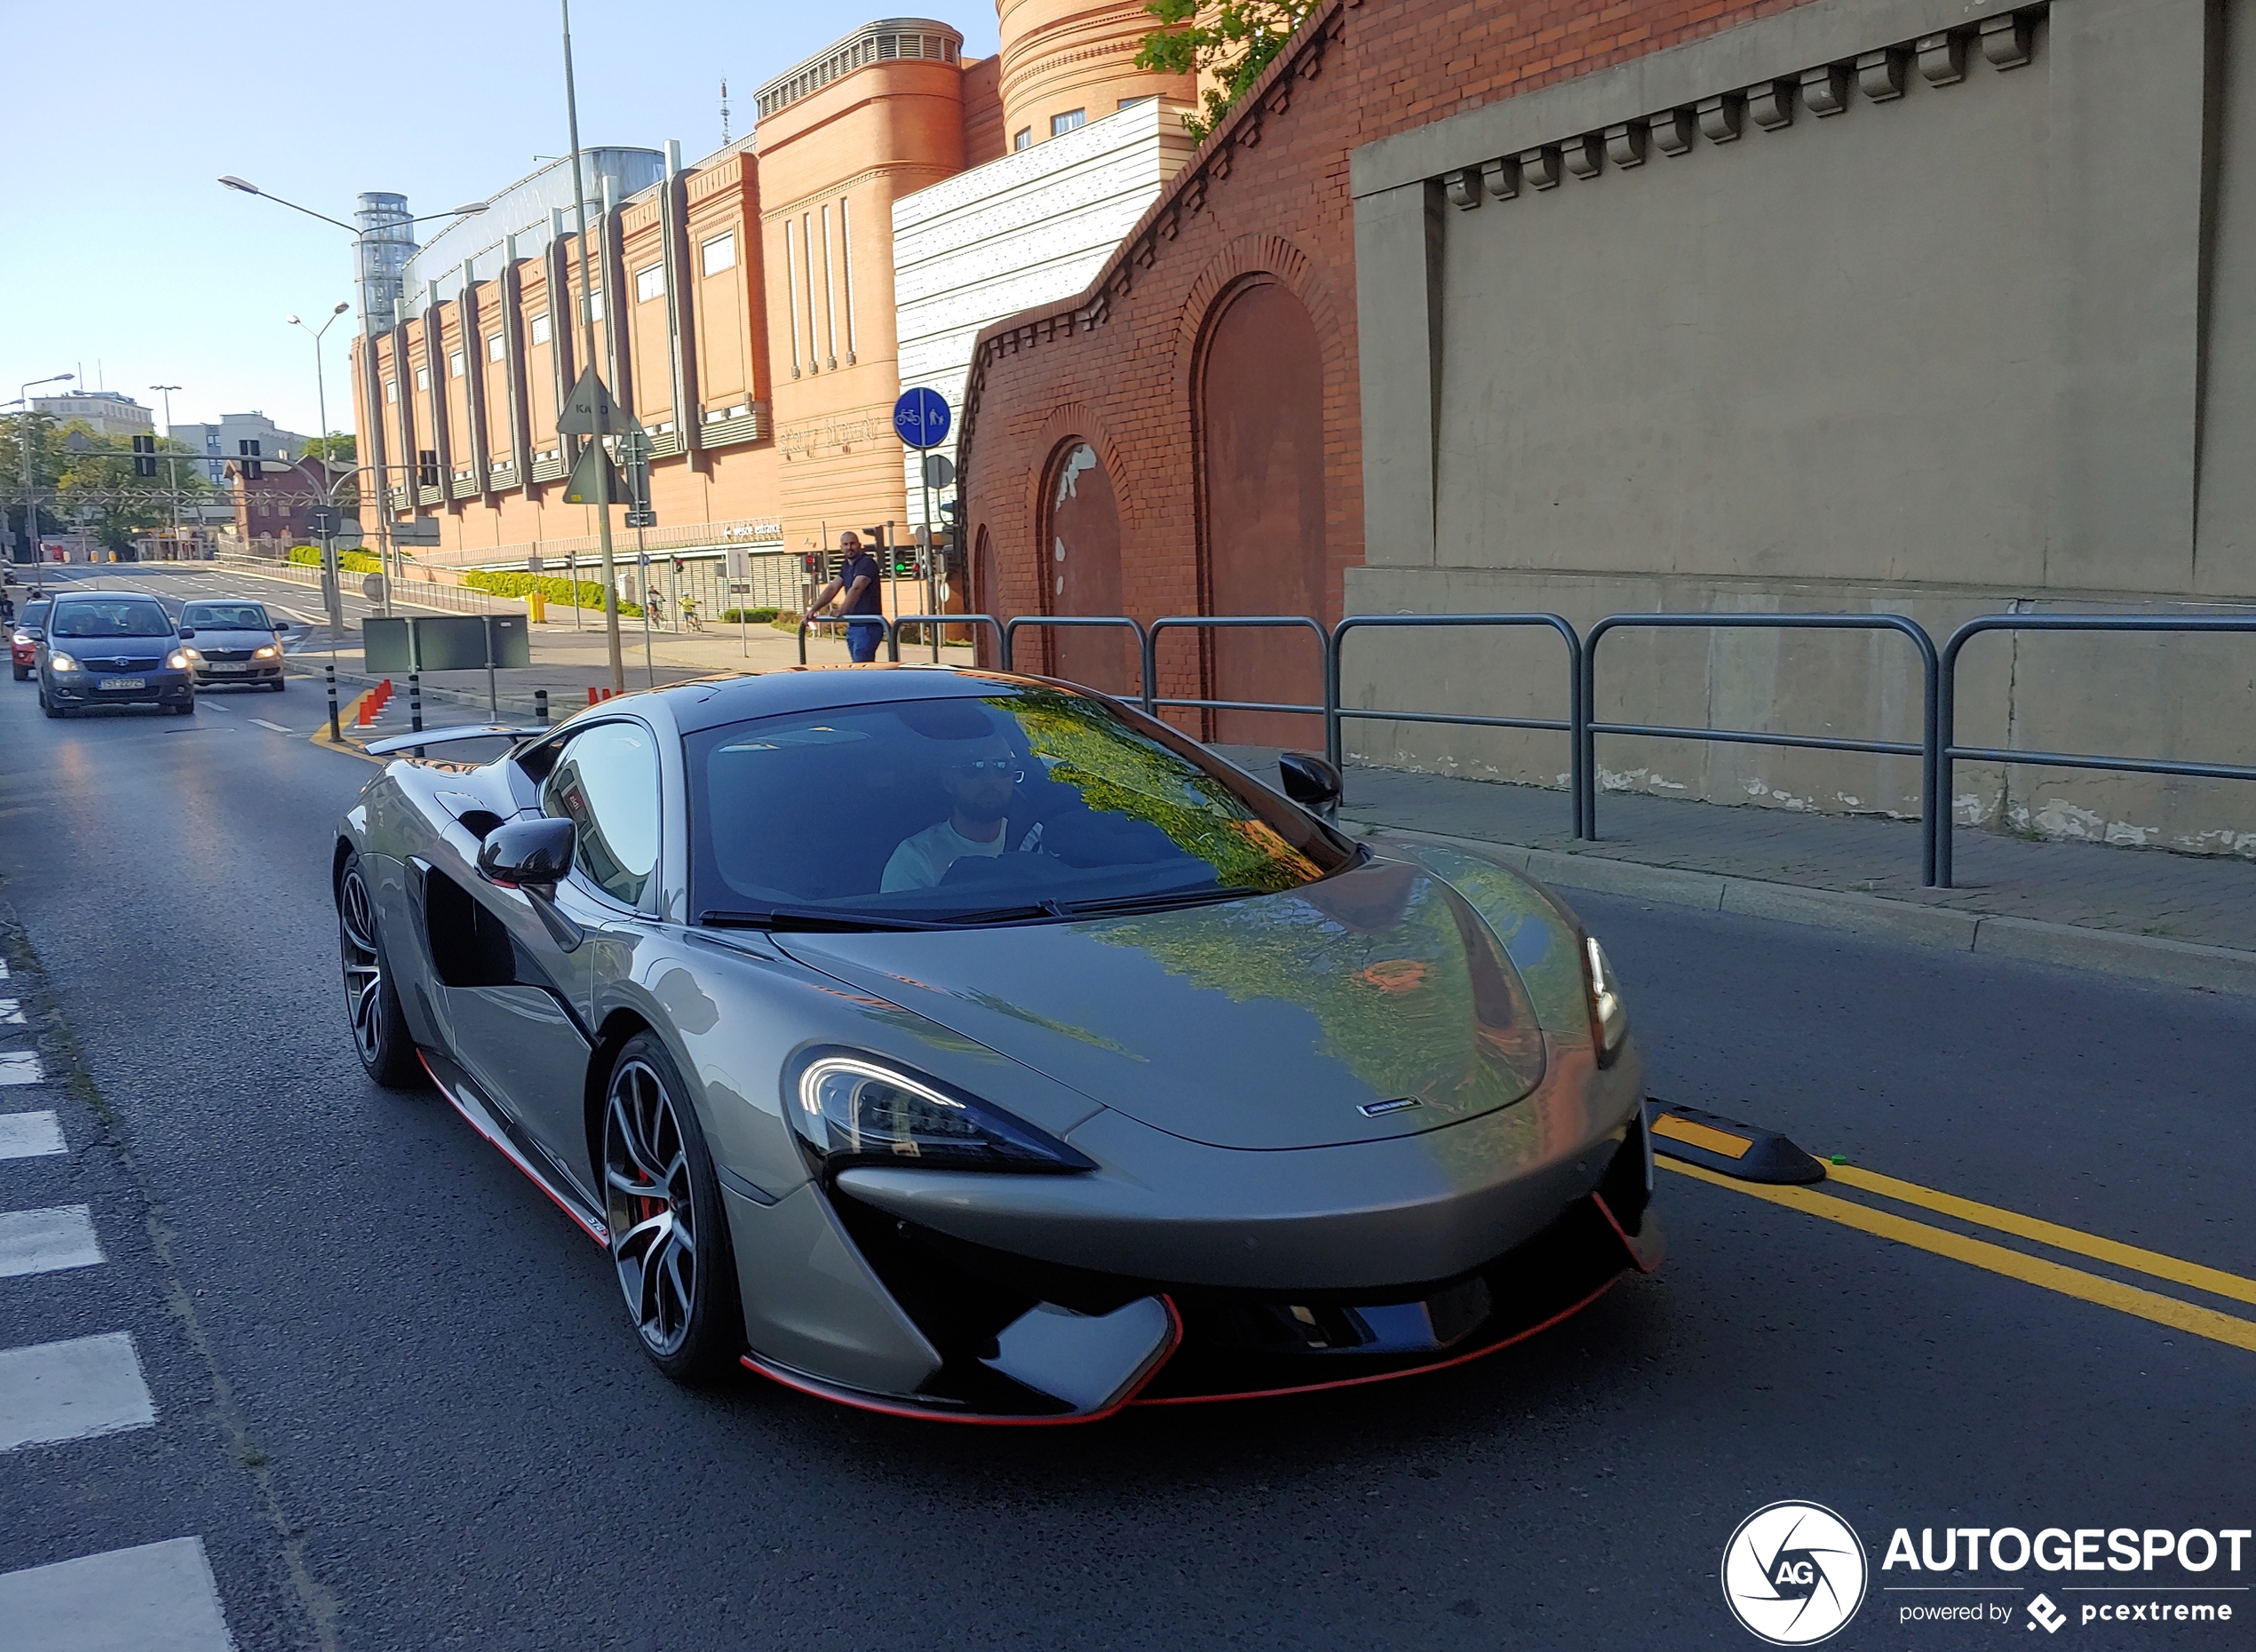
column 333, row 598
column 30, row 498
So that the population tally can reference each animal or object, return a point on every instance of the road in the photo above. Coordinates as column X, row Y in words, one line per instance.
column 394, row 1406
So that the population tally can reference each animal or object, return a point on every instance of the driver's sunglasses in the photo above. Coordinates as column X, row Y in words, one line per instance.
column 976, row 767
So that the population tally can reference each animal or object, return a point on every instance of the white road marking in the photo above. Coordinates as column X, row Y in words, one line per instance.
column 20, row 1066
column 29, row 1135
column 47, row 1241
column 11, row 1013
column 4, row 969
column 158, row 1598
column 214, row 705
column 277, row 727
column 59, row 1391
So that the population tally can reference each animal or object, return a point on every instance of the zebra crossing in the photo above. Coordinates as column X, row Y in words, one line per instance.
column 155, row 1597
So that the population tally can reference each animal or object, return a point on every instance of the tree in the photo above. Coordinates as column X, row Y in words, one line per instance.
column 338, row 447
column 95, row 485
column 1239, row 39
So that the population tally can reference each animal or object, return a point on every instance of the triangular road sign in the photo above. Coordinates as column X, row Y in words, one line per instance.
column 581, row 489
column 589, row 402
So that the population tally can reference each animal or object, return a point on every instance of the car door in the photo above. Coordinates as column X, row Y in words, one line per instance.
column 528, row 1041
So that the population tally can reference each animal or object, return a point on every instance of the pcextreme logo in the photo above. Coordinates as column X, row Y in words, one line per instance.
column 1794, row 1572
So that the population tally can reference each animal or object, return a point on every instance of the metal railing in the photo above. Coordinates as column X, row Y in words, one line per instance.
column 1047, row 622
column 892, row 644
column 939, row 623
column 1948, row 751
column 1153, row 700
column 1924, row 750
column 1571, row 725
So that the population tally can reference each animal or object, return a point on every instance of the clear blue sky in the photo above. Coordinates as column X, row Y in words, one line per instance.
column 118, row 248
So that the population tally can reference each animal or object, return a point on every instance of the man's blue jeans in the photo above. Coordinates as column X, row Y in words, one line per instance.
column 861, row 640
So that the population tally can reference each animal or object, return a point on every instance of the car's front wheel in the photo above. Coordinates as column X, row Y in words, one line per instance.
column 23, row 673
column 668, row 1234
column 380, row 1035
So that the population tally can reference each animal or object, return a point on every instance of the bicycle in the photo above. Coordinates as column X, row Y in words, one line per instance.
column 689, row 616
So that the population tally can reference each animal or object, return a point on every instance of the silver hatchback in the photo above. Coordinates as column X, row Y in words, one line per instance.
column 233, row 641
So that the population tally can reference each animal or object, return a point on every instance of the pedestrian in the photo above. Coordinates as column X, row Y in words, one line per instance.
column 856, row 591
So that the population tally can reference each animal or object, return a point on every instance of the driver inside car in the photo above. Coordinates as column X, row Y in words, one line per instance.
column 981, row 780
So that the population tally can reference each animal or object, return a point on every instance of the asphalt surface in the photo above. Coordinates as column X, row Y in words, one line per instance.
column 398, row 1403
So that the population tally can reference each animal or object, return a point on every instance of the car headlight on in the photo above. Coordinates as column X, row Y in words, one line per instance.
column 856, row 1110
column 61, row 662
column 178, row 660
column 192, row 653
column 263, row 653
column 1608, row 1015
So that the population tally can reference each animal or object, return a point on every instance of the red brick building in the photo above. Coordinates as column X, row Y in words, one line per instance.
column 1211, row 372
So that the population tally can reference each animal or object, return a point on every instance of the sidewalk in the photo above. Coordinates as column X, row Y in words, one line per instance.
column 2144, row 913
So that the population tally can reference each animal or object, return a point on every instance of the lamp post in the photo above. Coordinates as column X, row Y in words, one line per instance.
column 587, row 313
column 244, row 186
column 171, row 466
column 30, row 496
column 333, row 598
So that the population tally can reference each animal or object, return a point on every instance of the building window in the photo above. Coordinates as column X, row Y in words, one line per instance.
column 540, row 328
column 592, row 306
column 1060, row 125
column 497, row 346
column 423, row 379
column 650, row 284
column 1023, row 139
column 719, row 253
column 454, row 364
column 1130, row 103
column 391, row 390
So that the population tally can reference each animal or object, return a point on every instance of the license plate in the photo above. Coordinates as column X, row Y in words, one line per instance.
column 217, row 666
column 108, row 683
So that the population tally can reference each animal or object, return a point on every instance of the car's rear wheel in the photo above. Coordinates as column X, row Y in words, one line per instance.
column 380, row 1035
column 23, row 673
column 668, row 1234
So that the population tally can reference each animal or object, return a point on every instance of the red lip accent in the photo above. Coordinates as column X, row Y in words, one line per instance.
column 510, row 1153
column 884, row 1408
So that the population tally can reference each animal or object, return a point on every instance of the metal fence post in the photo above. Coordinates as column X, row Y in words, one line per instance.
column 415, row 702
column 335, row 734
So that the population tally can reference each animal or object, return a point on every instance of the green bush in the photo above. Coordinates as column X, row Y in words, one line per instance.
column 748, row 616
column 350, row 561
column 504, row 582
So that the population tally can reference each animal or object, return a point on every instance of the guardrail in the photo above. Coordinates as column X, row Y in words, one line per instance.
column 1924, row 750
column 1153, row 701
column 1571, row 725
column 1048, row 622
column 1948, row 751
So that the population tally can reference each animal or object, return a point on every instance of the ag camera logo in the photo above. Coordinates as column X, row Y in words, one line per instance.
column 1794, row 1574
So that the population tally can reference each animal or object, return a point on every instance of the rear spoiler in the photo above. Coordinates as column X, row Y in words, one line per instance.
column 392, row 743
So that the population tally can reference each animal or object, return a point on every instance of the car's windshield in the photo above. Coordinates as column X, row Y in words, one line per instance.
column 225, row 617
column 33, row 614
column 91, row 616
column 1025, row 802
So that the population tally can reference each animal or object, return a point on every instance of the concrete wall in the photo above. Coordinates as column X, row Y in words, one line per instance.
column 1903, row 306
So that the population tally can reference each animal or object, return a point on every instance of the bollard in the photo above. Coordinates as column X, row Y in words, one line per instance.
column 335, row 734
column 540, row 707
column 415, row 701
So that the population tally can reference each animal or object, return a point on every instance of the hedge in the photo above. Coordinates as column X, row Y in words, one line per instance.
column 747, row 616
column 555, row 588
column 350, row 561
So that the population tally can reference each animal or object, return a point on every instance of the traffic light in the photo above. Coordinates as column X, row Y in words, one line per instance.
column 144, row 455
column 247, row 451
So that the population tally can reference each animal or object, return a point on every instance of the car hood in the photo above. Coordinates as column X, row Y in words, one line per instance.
column 212, row 637
column 1268, row 1022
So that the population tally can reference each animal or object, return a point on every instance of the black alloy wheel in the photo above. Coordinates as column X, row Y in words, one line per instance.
column 380, row 1035
column 668, row 1234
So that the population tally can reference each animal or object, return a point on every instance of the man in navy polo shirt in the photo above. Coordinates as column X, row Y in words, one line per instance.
column 856, row 591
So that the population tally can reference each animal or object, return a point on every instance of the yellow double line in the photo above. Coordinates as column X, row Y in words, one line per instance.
column 2147, row 1305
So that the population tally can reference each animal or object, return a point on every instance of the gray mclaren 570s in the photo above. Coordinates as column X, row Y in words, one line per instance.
column 974, row 1047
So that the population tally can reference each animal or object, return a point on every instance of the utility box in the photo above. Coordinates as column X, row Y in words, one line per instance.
column 446, row 642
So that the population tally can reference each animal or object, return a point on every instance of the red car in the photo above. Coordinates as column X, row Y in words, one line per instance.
column 22, row 651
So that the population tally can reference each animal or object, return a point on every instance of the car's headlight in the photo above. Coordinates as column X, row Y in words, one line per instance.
column 855, row 1111
column 20, row 641
column 178, row 660
column 1608, row 1015
column 192, row 653
column 61, row 662
column 263, row 653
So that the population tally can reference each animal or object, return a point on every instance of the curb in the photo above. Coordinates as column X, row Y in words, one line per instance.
column 2073, row 946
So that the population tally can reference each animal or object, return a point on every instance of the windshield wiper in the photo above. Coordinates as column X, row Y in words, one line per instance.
column 1197, row 896
column 805, row 918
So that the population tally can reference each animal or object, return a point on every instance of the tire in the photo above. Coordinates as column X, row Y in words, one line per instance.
column 184, row 711
column 669, row 1232
column 280, row 684
column 380, row 1035
column 23, row 673
column 49, row 706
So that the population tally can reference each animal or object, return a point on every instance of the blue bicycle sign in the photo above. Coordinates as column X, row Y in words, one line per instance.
column 921, row 416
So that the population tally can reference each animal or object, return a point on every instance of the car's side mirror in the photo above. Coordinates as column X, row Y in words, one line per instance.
column 187, row 631
column 1312, row 782
column 282, row 624
column 535, row 856
column 36, row 633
